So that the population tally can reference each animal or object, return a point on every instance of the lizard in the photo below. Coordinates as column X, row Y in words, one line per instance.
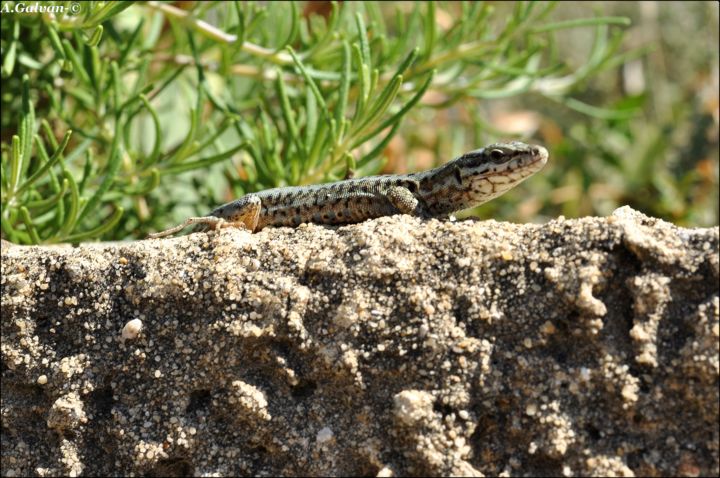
column 467, row 181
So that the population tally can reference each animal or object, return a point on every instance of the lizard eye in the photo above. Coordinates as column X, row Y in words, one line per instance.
column 497, row 155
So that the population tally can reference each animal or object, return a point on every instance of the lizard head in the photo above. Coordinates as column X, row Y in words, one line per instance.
column 488, row 172
column 505, row 158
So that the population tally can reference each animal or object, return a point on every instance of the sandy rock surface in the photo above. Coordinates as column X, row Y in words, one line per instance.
column 392, row 347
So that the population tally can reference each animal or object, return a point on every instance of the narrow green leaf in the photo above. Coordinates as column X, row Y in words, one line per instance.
column 167, row 81
column 11, row 54
column 292, row 34
column 381, row 104
column 49, row 134
column 363, row 83
column 264, row 176
column 514, row 88
column 79, row 150
column 362, row 38
column 155, row 154
column 342, row 129
column 429, row 31
column 312, row 120
column 407, row 62
column 582, row 22
column 217, row 103
column 202, row 163
column 102, row 73
column 15, row 164
column 52, row 177
column 287, row 111
column 350, row 164
column 597, row 112
column 78, row 68
column 213, row 138
column 95, row 70
column 114, row 162
column 313, row 88
column 109, row 10
column 379, row 148
column 87, row 171
column 27, row 124
column 45, row 158
column 395, row 119
column 267, row 140
column 328, row 35
column 71, row 214
column 55, row 41
column 52, row 96
column 341, row 104
column 25, row 216
column 96, row 36
column 523, row 10
column 135, row 99
column 42, row 205
column 5, row 178
column 115, row 85
column 255, row 21
column 83, row 96
column 12, row 234
column 186, row 147
column 150, row 184
column 599, row 46
column 48, row 164
column 317, row 149
column 374, row 77
column 277, row 167
column 129, row 44
column 240, row 29
column 310, row 82
column 521, row 83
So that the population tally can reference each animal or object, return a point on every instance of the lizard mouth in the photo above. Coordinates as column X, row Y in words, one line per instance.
column 525, row 164
column 531, row 162
column 538, row 157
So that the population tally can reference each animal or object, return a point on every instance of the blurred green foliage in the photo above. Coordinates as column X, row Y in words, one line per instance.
column 123, row 118
column 662, row 158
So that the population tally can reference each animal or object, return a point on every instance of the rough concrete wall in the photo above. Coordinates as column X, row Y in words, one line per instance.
column 392, row 347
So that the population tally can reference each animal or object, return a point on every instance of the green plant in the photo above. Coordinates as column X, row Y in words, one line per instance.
column 159, row 108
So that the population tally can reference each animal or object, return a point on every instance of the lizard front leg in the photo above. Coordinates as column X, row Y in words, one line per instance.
column 245, row 212
column 406, row 202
